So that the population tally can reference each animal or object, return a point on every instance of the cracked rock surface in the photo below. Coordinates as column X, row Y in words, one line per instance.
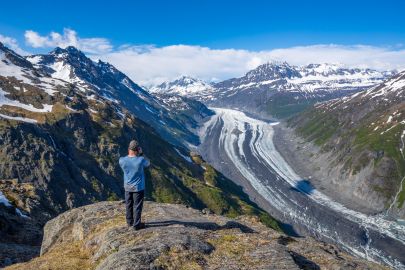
column 176, row 237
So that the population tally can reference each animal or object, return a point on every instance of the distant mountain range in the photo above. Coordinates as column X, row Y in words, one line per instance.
column 278, row 89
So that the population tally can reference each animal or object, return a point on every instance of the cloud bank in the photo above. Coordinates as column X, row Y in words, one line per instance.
column 69, row 37
column 149, row 64
column 12, row 44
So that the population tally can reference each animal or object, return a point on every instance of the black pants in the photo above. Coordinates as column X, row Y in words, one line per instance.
column 134, row 204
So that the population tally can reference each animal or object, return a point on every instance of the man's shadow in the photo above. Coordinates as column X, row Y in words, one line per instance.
column 304, row 186
column 211, row 226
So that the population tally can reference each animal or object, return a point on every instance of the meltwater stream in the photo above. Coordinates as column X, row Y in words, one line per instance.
column 234, row 141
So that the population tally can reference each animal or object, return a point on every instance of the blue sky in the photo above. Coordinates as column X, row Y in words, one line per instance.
column 218, row 24
column 106, row 28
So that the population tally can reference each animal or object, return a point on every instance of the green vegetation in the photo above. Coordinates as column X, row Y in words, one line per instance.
column 367, row 146
column 112, row 197
column 318, row 127
column 282, row 111
column 213, row 191
column 386, row 143
column 210, row 175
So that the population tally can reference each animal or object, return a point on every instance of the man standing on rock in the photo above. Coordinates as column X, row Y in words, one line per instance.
column 134, row 184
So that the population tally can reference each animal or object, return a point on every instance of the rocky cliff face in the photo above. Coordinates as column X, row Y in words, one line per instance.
column 187, row 111
column 177, row 237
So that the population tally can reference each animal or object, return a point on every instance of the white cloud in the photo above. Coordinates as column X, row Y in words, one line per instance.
column 149, row 64
column 68, row 38
column 12, row 44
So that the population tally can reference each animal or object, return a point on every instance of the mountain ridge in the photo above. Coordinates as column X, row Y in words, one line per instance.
column 279, row 89
column 102, row 78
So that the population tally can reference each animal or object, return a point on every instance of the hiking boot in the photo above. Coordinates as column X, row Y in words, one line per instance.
column 140, row 226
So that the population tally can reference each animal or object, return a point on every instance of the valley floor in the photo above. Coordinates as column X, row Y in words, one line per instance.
column 243, row 149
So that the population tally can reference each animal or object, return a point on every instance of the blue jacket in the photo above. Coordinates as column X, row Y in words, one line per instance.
column 134, row 176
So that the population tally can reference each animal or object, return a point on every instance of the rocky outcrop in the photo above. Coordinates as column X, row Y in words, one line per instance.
column 177, row 237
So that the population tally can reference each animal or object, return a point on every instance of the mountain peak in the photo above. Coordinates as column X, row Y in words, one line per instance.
column 58, row 50
column 183, row 85
column 184, row 79
column 275, row 70
column 72, row 49
column 68, row 51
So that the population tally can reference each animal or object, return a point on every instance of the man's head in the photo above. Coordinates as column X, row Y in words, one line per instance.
column 133, row 147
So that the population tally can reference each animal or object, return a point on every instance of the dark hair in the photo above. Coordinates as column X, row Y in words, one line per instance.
column 133, row 145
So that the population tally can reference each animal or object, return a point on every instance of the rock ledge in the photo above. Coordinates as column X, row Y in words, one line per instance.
column 96, row 237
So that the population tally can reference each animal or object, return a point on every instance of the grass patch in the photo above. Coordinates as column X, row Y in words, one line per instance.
column 70, row 256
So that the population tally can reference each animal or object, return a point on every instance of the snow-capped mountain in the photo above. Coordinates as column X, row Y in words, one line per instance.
column 281, row 89
column 72, row 66
column 184, row 86
column 306, row 79
column 24, row 88
column 278, row 89
column 103, row 79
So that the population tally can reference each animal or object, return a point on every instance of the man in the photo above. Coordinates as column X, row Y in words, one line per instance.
column 134, row 184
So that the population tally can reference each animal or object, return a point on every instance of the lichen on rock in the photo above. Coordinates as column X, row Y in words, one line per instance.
column 177, row 237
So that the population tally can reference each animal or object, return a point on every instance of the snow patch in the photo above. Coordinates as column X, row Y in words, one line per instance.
column 16, row 118
column 4, row 200
column 6, row 101
column 183, row 156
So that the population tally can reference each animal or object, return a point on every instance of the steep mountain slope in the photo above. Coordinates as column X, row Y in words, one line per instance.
column 59, row 146
column 73, row 66
column 361, row 140
column 186, row 111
